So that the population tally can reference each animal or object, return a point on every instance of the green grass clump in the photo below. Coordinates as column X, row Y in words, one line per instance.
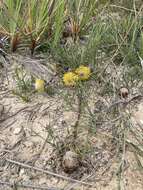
column 23, row 87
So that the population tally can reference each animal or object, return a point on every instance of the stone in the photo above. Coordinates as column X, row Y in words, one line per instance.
column 17, row 130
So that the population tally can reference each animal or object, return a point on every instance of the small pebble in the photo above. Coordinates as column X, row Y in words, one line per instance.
column 17, row 130
column 22, row 172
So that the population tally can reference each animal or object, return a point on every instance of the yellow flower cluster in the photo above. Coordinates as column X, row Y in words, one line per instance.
column 40, row 85
column 70, row 79
column 81, row 73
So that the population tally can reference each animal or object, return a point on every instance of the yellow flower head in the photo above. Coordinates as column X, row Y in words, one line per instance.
column 83, row 72
column 70, row 79
column 40, row 85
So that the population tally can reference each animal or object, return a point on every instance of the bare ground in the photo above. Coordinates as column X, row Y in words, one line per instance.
column 25, row 139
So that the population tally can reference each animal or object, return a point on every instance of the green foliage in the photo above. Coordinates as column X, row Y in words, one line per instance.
column 83, row 52
column 11, row 21
column 134, row 74
column 23, row 85
column 58, row 22
column 81, row 13
column 37, row 20
column 129, row 27
column 141, row 45
column 26, row 21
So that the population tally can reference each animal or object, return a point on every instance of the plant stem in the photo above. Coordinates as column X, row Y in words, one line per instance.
column 75, row 132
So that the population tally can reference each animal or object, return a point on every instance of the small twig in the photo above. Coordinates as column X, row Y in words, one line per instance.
column 124, row 8
column 5, row 93
column 75, row 184
column 9, row 125
column 75, row 132
column 125, row 102
column 41, row 150
column 28, row 186
column 22, row 109
column 49, row 172
column 34, row 111
column 140, row 165
column 135, row 147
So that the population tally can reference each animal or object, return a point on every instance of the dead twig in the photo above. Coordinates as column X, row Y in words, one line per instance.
column 49, row 172
column 135, row 148
column 124, row 8
column 40, row 151
column 5, row 93
column 27, row 186
column 125, row 102
column 17, row 112
column 71, row 186
column 22, row 109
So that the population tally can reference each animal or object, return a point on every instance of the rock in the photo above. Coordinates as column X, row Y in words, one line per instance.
column 70, row 161
column 1, row 109
column 42, row 180
column 17, row 130
column 22, row 172
column 69, row 117
column 29, row 144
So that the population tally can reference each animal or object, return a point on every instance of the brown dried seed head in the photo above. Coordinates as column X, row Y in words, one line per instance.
column 123, row 92
column 70, row 161
column 67, row 31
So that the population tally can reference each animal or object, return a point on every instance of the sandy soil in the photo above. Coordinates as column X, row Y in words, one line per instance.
column 24, row 137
